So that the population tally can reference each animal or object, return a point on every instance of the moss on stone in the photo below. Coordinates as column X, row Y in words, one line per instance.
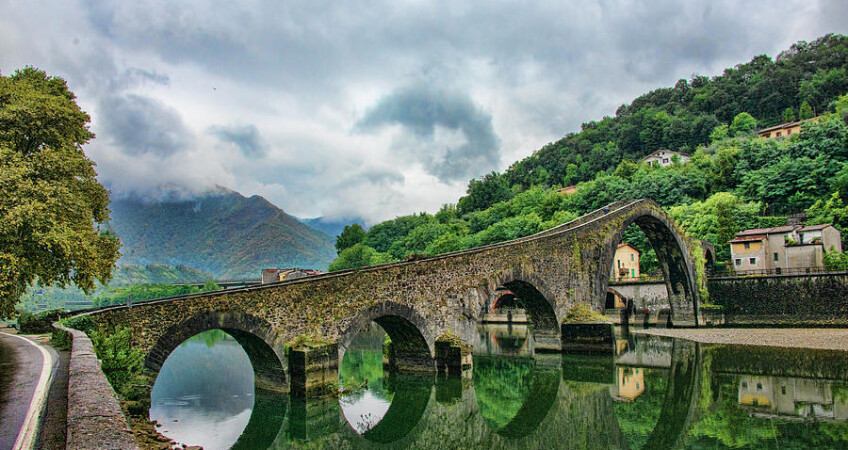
column 583, row 313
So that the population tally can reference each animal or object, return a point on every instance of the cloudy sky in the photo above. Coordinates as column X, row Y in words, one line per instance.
column 365, row 108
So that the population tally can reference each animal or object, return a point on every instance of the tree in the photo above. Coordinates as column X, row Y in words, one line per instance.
column 350, row 236
column 788, row 115
column 806, row 111
column 743, row 123
column 50, row 199
column 359, row 255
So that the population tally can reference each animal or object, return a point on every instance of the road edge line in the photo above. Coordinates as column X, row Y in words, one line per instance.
column 28, row 433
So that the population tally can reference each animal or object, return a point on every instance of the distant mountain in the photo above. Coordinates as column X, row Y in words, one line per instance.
column 332, row 227
column 222, row 233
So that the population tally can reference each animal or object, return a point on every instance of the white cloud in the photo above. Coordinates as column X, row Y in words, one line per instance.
column 266, row 97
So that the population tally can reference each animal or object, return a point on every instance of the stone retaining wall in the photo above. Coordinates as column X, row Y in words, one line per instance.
column 95, row 419
column 814, row 299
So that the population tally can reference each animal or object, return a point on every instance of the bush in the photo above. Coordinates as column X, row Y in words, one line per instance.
column 38, row 323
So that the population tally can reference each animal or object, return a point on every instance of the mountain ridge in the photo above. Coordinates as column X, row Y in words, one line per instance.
column 221, row 232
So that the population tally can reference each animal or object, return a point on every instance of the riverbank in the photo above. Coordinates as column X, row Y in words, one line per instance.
column 811, row 338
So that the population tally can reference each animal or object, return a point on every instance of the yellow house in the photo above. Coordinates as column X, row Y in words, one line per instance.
column 784, row 129
column 629, row 384
column 625, row 263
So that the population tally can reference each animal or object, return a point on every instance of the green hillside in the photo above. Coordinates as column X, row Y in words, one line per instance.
column 223, row 233
column 734, row 180
column 806, row 77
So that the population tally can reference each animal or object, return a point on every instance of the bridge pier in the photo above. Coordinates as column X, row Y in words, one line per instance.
column 596, row 338
column 314, row 370
column 453, row 356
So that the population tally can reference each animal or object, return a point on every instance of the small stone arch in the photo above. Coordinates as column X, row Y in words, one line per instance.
column 256, row 336
column 539, row 303
column 412, row 342
column 672, row 252
column 502, row 298
column 614, row 300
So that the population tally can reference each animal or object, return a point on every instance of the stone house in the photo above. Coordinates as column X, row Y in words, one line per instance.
column 782, row 248
column 664, row 158
column 625, row 263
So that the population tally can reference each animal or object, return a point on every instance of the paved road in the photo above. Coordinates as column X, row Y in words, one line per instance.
column 22, row 393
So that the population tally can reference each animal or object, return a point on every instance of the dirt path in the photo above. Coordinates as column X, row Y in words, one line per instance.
column 812, row 338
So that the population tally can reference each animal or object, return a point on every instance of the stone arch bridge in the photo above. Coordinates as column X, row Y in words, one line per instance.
column 295, row 332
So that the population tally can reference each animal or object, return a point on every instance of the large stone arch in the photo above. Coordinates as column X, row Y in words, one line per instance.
column 412, row 342
column 256, row 336
column 674, row 256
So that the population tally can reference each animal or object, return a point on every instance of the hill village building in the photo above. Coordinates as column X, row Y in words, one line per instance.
column 664, row 158
column 779, row 249
column 784, row 129
column 626, row 267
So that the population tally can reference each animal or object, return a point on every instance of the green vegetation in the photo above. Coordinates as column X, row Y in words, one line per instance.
column 583, row 313
column 50, row 199
column 70, row 298
column 733, row 180
column 141, row 292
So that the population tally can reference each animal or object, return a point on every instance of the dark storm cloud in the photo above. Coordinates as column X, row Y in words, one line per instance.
column 141, row 125
column 245, row 137
column 420, row 109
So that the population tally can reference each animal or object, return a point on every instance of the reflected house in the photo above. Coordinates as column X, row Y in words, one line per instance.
column 801, row 398
column 277, row 275
column 625, row 263
column 780, row 248
column 629, row 383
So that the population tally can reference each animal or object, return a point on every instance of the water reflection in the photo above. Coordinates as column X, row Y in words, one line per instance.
column 203, row 394
column 653, row 393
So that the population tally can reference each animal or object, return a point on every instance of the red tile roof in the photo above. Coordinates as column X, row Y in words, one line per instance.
column 759, row 237
column 759, row 231
column 815, row 227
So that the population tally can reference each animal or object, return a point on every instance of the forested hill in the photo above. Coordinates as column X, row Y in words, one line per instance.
column 224, row 233
column 733, row 181
column 807, row 76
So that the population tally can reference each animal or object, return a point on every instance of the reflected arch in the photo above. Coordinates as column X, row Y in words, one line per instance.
column 255, row 336
column 412, row 343
column 542, row 382
column 673, row 255
column 411, row 397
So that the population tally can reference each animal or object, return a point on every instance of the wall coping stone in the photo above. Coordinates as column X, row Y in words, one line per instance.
column 95, row 418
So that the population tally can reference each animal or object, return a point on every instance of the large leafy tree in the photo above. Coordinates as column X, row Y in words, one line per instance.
column 50, row 199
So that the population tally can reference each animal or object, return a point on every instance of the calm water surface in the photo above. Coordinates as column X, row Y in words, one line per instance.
column 652, row 393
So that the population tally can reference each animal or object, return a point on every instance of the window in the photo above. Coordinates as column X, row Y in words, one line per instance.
column 745, row 384
column 788, row 132
column 738, row 262
column 619, row 263
column 752, row 260
column 783, row 390
column 775, row 256
column 747, row 245
column 665, row 160
column 777, row 134
column 759, row 386
column 632, row 257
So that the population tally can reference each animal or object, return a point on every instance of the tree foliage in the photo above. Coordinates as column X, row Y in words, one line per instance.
column 350, row 236
column 50, row 199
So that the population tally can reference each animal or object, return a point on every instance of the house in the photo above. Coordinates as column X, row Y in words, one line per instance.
column 629, row 384
column 277, row 275
column 664, row 158
column 567, row 190
column 768, row 396
column 782, row 248
column 626, row 263
column 784, row 129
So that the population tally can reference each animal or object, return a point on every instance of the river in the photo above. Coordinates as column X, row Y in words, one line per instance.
column 651, row 393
